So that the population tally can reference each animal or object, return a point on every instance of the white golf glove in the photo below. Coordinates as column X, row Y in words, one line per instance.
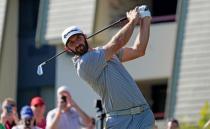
column 144, row 11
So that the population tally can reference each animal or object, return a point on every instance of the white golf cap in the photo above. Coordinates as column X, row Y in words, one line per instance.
column 68, row 32
column 62, row 89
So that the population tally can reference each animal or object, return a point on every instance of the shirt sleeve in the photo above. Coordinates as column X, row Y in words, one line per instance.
column 120, row 54
column 92, row 64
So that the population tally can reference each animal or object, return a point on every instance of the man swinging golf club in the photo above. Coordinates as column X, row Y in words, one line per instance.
column 102, row 69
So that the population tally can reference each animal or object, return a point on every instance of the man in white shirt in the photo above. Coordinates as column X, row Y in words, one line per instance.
column 67, row 115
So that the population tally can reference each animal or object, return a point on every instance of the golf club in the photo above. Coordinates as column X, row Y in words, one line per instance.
column 39, row 68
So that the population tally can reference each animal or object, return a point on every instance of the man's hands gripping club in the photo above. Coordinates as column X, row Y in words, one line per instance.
column 139, row 47
column 144, row 11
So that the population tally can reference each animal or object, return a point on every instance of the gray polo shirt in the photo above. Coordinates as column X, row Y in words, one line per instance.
column 110, row 80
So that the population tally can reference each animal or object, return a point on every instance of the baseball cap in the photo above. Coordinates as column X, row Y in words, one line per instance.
column 26, row 112
column 68, row 32
column 61, row 89
column 37, row 101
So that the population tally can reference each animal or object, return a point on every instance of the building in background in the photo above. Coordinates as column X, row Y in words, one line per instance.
column 19, row 57
column 174, row 75
column 8, row 49
column 190, row 83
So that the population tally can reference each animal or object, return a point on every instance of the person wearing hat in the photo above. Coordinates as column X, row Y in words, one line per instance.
column 27, row 119
column 67, row 114
column 38, row 108
column 102, row 69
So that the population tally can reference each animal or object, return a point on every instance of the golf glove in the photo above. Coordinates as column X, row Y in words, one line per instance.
column 144, row 11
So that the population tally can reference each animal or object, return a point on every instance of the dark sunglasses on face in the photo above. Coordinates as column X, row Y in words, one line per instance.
column 38, row 105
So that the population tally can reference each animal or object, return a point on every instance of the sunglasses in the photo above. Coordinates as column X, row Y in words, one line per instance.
column 38, row 105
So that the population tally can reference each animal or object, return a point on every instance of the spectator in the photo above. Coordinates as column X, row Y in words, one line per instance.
column 27, row 119
column 68, row 114
column 173, row 124
column 9, row 117
column 38, row 108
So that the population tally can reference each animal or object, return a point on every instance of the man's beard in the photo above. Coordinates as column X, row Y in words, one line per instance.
column 81, row 49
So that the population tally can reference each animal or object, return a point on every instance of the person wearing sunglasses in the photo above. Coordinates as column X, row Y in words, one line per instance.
column 67, row 114
column 9, row 116
column 38, row 108
column 27, row 119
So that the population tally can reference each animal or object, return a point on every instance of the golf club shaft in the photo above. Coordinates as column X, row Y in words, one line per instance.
column 120, row 20
column 54, row 56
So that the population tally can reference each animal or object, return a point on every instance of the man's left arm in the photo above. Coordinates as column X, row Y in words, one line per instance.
column 139, row 47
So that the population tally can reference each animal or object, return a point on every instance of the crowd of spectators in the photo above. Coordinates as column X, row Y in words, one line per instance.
column 67, row 114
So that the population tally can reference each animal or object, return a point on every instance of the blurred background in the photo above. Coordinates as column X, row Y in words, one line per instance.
column 174, row 75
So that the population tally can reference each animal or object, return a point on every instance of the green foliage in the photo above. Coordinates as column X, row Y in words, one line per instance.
column 205, row 116
column 188, row 126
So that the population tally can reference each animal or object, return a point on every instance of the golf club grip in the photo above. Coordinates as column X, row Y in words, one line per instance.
column 120, row 20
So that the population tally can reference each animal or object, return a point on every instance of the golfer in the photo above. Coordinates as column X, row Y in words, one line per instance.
column 102, row 69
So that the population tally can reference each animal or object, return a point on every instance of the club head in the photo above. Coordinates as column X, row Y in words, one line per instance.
column 39, row 69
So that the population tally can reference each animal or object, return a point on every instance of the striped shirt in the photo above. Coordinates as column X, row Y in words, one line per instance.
column 109, row 79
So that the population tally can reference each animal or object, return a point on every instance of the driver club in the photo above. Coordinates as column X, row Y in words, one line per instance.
column 39, row 68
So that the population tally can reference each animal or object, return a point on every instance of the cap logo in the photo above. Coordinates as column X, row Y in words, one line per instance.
column 70, row 32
